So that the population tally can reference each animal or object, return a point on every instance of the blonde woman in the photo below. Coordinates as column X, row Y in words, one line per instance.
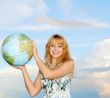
column 55, row 73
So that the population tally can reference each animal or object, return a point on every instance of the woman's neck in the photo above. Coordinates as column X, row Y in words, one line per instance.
column 54, row 62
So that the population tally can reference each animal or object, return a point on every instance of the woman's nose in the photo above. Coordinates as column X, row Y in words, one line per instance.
column 56, row 48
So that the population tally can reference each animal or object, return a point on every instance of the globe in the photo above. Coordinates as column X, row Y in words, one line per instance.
column 17, row 49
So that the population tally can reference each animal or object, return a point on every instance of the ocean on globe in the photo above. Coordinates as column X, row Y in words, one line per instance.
column 17, row 49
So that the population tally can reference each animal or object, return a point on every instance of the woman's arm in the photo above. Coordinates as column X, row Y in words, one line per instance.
column 32, row 88
column 64, row 69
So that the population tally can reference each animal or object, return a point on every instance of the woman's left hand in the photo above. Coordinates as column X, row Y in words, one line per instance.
column 34, row 49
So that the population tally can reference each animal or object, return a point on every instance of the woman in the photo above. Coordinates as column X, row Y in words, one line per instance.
column 55, row 73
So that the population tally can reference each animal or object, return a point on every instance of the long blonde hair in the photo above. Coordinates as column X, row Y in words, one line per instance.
column 59, row 40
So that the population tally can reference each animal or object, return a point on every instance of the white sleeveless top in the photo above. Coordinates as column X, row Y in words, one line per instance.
column 57, row 88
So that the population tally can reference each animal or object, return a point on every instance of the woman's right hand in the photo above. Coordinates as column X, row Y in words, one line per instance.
column 22, row 67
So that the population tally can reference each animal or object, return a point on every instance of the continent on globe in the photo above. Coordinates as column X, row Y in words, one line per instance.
column 17, row 49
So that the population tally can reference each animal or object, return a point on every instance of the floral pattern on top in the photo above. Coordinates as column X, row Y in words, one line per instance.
column 56, row 88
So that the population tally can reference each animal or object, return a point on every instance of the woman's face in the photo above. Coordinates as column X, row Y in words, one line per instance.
column 56, row 50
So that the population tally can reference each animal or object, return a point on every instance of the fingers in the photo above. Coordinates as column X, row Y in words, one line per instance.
column 33, row 43
column 19, row 67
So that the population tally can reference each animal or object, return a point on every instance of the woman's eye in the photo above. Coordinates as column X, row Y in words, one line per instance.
column 56, row 46
column 59, row 46
column 52, row 45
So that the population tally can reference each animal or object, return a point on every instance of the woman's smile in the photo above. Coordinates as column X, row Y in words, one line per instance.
column 56, row 50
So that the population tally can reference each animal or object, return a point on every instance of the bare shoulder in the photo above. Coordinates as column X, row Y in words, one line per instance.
column 69, row 62
column 69, row 65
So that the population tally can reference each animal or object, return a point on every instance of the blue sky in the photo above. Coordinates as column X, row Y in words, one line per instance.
column 85, row 24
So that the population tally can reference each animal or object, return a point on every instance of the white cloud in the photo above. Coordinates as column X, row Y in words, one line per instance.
column 1, row 95
column 73, row 24
column 96, row 68
column 41, row 7
column 105, row 89
column 103, row 84
column 15, row 11
column 99, row 56
column 12, row 11
column 66, row 6
column 35, row 27
column 12, row 82
column 98, row 82
column 97, row 24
